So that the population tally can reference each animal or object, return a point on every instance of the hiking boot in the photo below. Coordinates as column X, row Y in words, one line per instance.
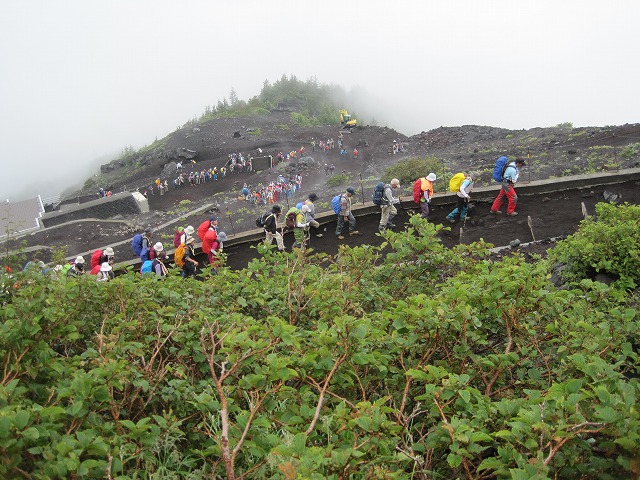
column 355, row 232
column 319, row 235
column 495, row 212
column 340, row 237
column 512, row 214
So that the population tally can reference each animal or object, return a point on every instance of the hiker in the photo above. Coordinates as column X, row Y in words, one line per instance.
column 462, row 206
column 509, row 179
column 387, row 206
column 77, row 269
column 301, row 227
column 187, row 233
column 423, row 191
column 190, row 262
column 105, row 273
column 311, row 215
column 101, row 256
column 345, row 214
column 271, row 227
column 158, row 265
column 207, row 225
column 216, row 248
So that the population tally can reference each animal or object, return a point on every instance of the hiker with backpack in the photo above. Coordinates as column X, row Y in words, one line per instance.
column 189, row 258
column 423, row 191
column 77, row 269
column 269, row 221
column 99, row 257
column 105, row 273
column 141, row 244
column 301, row 227
column 383, row 196
column 213, row 246
column 509, row 178
column 207, row 225
column 463, row 191
column 344, row 214
column 187, row 233
column 310, row 215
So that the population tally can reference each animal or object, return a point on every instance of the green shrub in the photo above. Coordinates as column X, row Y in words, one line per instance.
column 337, row 180
column 630, row 151
column 608, row 244
column 407, row 171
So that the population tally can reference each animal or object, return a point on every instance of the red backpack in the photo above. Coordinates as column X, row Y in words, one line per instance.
column 177, row 236
column 95, row 258
column 202, row 229
column 417, row 190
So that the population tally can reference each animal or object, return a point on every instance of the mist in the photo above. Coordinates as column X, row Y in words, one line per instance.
column 81, row 81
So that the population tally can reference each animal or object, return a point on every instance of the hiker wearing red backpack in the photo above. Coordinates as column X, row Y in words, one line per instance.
column 423, row 191
column 207, row 225
column 99, row 257
column 509, row 179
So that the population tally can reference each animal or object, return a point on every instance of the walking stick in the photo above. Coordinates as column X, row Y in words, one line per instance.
column 361, row 188
column 231, row 222
column 531, row 227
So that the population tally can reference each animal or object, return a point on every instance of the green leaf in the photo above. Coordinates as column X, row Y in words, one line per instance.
column 454, row 460
column 31, row 433
column 465, row 395
column 21, row 419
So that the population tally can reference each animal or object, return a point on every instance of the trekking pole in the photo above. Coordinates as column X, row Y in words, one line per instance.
column 361, row 188
column 231, row 222
column 531, row 227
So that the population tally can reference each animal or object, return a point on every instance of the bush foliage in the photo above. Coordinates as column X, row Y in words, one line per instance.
column 608, row 243
column 407, row 360
column 407, row 171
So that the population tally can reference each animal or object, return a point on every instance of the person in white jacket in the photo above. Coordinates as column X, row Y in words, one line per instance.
column 464, row 195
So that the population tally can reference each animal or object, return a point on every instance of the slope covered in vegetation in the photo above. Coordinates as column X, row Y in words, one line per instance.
column 436, row 363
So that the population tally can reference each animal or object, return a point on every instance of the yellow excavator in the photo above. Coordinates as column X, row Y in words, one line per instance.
column 346, row 121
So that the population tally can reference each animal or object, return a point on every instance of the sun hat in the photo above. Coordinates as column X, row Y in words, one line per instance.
column 189, row 230
column 395, row 182
column 109, row 252
column 432, row 177
column 105, row 267
column 222, row 237
column 79, row 259
column 351, row 190
column 158, row 247
column 191, row 240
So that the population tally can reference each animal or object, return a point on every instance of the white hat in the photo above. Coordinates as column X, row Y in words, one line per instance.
column 109, row 252
column 189, row 230
column 432, row 177
column 222, row 237
column 79, row 259
column 105, row 267
column 158, row 247
column 396, row 182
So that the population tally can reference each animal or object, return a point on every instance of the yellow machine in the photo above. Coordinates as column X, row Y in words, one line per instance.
column 346, row 121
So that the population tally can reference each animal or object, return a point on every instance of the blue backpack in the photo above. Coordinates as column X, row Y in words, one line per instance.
column 147, row 267
column 501, row 166
column 299, row 205
column 335, row 204
column 136, row 244
column 378, row 194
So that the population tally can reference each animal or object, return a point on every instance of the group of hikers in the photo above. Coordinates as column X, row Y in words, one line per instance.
column 301, row 218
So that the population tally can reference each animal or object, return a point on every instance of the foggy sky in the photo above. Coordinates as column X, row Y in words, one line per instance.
column 81, row 80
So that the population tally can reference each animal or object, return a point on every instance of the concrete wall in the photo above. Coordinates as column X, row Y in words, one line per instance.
column 119, row 204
